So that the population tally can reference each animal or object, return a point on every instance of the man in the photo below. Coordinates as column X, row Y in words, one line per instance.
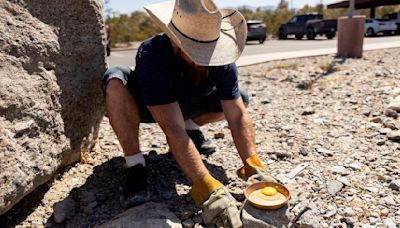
column 184, row 79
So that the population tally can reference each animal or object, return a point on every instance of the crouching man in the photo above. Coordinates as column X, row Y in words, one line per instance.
column 185, row 78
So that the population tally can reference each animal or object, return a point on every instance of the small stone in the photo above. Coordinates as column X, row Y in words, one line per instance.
column 384, row 212
column 63, row 210
column 395, row 104
column 22, row 127
column 308, row 111
column 309, row 219
column 393, row 135
column 393, row 125
column 334, row 186
column 283, row 155
column 325, row 152
column 303, row 151
column 343, row 180
column 376, row 120
column 374, row 220
column 348, row 212
column 391, row 113
column 265, row 101
column 395, row 185
column 355, row 166
column 219, row 135
column 339, row 170
column 375, row 114
column 385, row 131
column 372, row 189
column 331, row 212
column 389, row 200
column 188, row 223
column 381, row 142
column 287, row 127
column 389, row 223
column 305, row 84
column 367, row 112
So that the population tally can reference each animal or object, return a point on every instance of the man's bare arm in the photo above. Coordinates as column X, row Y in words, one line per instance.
column 241, row 127
column 171, row 121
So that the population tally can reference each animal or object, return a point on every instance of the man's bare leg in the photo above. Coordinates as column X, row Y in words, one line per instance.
column 124, row 116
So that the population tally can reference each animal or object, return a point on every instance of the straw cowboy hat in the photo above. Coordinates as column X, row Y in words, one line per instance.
column 208, row 35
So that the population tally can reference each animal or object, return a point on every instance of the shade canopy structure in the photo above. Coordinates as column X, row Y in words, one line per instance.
column 364, row 4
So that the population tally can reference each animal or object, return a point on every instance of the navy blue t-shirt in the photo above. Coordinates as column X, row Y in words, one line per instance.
column 158, row 75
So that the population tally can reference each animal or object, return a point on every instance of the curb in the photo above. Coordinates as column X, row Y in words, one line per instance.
column 263, row 58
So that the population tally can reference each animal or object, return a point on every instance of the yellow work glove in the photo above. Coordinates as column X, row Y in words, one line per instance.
column 218, row 205
column 253, row 171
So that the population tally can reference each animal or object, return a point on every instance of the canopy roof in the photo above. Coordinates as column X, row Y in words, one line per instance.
column 364, row 4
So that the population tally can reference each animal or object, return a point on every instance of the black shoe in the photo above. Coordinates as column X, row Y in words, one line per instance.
column 203, row 145
column 135, row 192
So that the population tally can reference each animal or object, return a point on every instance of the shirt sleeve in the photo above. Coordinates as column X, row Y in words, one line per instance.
column 228, row 86
column 154, row 80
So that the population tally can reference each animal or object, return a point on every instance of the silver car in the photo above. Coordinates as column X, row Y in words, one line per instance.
column 256, row 30
column 375, row 26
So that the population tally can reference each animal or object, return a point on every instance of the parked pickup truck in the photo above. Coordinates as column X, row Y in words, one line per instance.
column 310, row 25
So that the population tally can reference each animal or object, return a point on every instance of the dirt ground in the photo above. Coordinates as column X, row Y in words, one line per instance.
column 326, row 111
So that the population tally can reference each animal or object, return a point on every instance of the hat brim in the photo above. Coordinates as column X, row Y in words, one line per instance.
column 227, row 49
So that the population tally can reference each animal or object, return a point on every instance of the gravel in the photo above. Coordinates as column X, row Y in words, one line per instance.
column 336, row 137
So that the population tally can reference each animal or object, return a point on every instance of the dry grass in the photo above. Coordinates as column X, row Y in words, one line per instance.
column 285, row 66
column 329, row 67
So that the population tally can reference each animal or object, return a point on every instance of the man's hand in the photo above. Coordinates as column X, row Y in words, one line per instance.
column 254, row 171
column 220, row 210
column 260, row 175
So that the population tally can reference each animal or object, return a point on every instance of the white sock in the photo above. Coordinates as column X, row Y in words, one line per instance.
column 134, row 160
column 191, row 125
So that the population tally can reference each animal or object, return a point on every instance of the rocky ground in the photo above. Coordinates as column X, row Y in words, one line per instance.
column 326, row 111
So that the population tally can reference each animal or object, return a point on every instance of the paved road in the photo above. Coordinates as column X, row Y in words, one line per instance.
column 272, row 46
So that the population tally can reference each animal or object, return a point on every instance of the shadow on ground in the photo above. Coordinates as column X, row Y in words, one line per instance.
column 104, row 183
column 164, row 175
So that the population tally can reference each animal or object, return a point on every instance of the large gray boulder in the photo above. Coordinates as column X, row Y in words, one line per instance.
column 51, row 61
column 257, row 218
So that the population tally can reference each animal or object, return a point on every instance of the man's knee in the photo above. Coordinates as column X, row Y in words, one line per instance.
column 113, row 85
column 245, row 96
column 119, row 75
